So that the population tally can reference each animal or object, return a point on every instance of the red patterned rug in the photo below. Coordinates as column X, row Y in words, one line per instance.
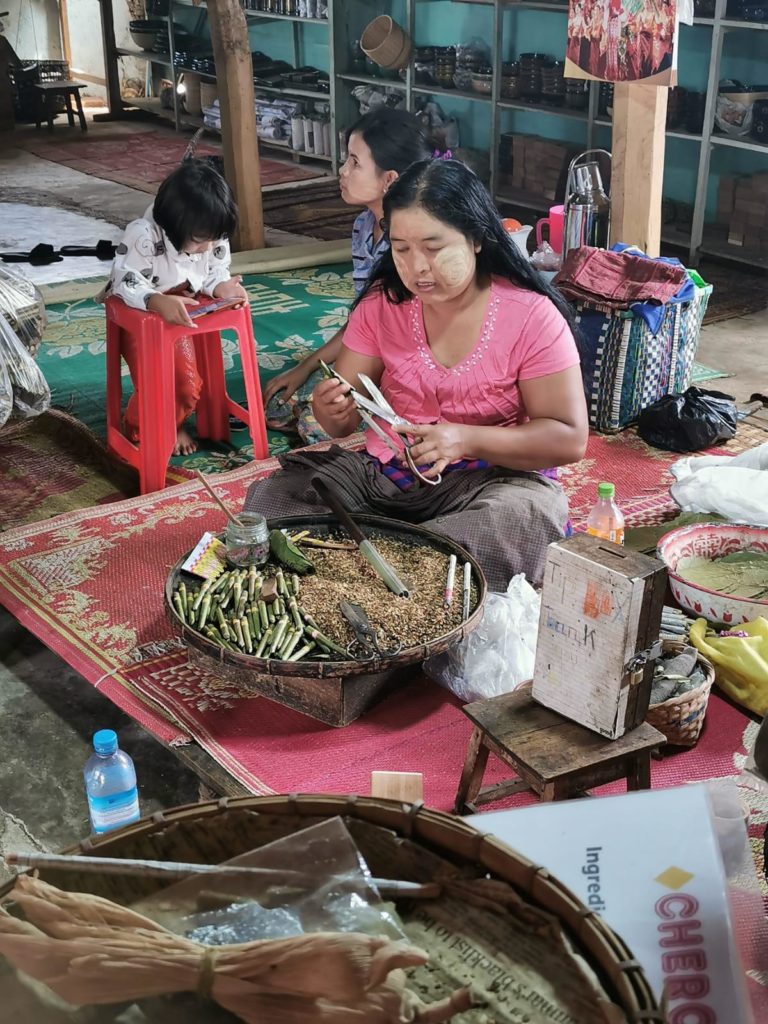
column 53, row 464
column 142, row 160
column 90, row 583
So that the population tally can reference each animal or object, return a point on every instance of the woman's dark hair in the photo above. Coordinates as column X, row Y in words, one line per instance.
column 195, row 204
column 453, row 194
column 395, row 138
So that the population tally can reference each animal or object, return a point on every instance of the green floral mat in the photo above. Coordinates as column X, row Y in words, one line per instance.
column 293, row 312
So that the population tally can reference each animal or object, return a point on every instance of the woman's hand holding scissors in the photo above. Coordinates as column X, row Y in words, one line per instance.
column 437, row 445
column 333, row 407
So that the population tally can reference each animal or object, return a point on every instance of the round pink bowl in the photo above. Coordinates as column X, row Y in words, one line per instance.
column 712, row 540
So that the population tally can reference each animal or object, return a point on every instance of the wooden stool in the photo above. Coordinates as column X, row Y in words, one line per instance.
column 551, row 755
column 47, row 93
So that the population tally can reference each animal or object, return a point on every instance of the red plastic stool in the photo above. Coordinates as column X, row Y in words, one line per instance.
column 156, row 388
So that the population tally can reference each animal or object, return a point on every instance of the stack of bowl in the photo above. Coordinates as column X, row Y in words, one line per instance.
column 605, row 100
column 510, row 80
column 760, row 120
column 143, row 33
column 576, row 94
column 445, row 66
column 482, row 80
column 531, row 68
column 694, row 111
column 553, row 83
column 675, row 107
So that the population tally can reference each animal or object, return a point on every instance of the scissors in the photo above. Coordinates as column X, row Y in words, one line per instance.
column 366, row 646
column 377, row 405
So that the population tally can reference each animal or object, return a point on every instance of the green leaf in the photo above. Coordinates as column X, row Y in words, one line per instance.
column 286, row 552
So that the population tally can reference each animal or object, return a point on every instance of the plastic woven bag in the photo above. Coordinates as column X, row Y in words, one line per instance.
column 741, row 662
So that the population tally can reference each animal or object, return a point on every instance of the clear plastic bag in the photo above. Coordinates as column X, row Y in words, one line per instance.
column 499, row 654
column 6, row 395
column 22, row 306
column 30, row 392
column 545, row 258
column 23, row 388
column 312, row 881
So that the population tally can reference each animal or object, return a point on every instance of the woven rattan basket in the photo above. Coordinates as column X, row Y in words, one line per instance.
column 386, row 43
column 398, row 841
column 681, row 719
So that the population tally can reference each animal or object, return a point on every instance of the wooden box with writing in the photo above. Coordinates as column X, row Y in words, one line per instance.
column 600, row 609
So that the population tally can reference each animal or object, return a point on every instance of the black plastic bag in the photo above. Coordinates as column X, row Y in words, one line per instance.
column 689, row 422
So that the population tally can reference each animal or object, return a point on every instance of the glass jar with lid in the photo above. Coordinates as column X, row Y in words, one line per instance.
column 247, row 540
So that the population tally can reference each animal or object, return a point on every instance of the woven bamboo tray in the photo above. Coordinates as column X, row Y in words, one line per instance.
column 334, row 692
column 398, row 841
column 681, row 718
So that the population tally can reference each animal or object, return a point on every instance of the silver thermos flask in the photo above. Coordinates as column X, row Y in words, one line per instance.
column 587, row 207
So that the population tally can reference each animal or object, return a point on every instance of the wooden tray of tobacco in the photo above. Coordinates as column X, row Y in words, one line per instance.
column 328, row 683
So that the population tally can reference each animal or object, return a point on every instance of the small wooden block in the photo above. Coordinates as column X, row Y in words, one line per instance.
column 405, row 786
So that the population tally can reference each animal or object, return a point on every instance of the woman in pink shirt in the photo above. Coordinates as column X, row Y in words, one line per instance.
column 473, row 348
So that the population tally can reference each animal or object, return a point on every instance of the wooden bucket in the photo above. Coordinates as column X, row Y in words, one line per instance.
column 397, row 840
column 209, row 93
column 332, row 692
column 192, row 94
column 386, row 43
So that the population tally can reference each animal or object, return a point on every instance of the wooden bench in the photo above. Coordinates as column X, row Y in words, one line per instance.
column 47, row 92
column 549, row 754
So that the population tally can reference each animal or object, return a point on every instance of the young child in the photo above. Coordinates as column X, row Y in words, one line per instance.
column 179, row 246
column 380, row 146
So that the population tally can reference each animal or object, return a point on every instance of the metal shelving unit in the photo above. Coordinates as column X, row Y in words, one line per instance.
column 709, row 239
column 184, row 120
column 344, row 23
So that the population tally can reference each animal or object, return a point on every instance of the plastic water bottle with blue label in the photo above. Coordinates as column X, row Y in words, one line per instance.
column 110, row 784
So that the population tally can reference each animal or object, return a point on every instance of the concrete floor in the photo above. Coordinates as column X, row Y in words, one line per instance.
column 47, row 711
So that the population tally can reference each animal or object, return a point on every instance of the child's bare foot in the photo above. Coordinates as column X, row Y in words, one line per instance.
column 185, row 443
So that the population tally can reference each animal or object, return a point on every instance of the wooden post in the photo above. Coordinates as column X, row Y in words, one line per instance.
column 639, row 121
column 234, row 73
column 111, row 73
column 7, row 57
column 64, row 25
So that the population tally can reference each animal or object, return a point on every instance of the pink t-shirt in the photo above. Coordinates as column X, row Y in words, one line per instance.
column 523, row 336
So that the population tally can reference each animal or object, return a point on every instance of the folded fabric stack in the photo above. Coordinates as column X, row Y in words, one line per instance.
column 617, row 280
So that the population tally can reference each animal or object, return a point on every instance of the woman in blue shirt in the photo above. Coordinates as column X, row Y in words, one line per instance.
column 380, row 146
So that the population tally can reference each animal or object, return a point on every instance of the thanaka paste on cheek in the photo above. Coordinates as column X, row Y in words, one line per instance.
column 454, row 264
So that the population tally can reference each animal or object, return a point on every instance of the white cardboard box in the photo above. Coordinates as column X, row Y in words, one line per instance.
column 650, row 864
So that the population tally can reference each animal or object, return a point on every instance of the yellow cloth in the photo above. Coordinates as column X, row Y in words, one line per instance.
column 741, row 663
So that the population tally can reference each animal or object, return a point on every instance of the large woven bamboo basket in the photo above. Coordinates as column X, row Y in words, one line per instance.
column 681, row 719
column 398, row 841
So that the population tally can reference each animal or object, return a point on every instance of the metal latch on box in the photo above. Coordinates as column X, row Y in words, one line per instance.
column 641, row 659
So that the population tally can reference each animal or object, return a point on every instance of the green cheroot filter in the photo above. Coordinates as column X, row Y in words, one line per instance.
column 367, row 548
